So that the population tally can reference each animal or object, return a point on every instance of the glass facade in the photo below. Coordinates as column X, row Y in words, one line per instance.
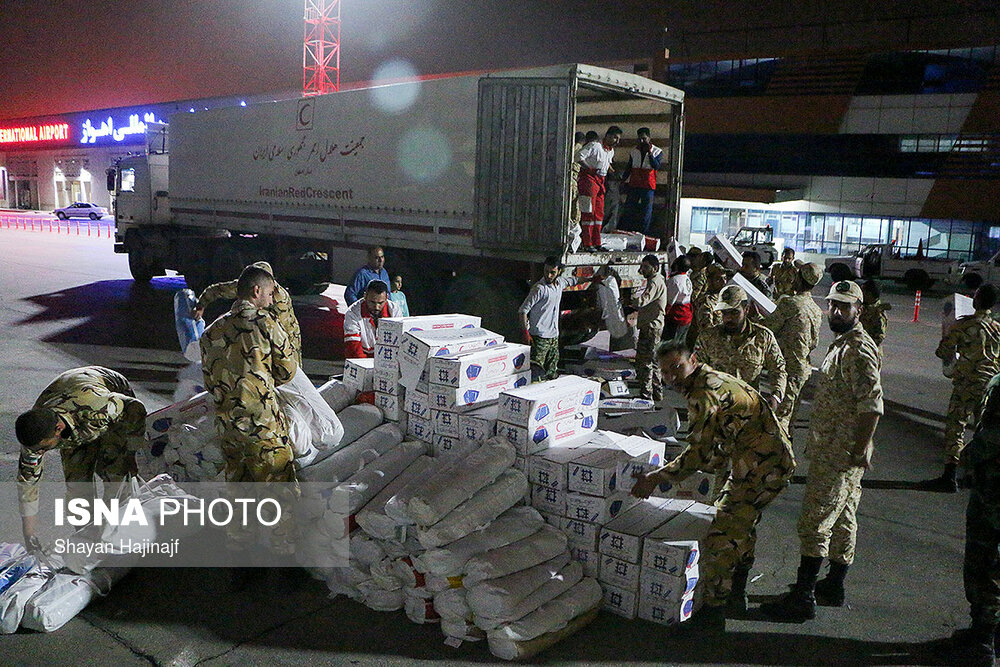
column 839, row 234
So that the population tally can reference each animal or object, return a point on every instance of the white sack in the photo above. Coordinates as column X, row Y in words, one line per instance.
column 14, row 600
column 442, row 494
column 337, row 395
column 323, row 423
column 345, row 462
column 364, row 485
column 451, row 604
column 420, row 610
column 506, row 599
column 365, row 550
column 511, row 526
column 554, row 615
column 478, row 511
column 412, row 580
column 358, row 420
column 384, row 576
column 508, row 649
column 377, row 599
column 397, row 508
column 547, row 543
column 372, row 517
column 461, row 630
column 65, row 595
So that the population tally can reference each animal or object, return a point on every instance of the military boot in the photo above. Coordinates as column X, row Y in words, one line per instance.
column 737, row 602
column 707, row 620
column 830, row 589
column 946, row 483
column 798, row 604
column 974, row 648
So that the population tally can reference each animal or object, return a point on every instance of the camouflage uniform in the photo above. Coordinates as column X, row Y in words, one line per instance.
column 976, row 340
column 281, row 308
column 732, row 426
column 105, row 426
column 981, row 569
column 745, row 355
column 874, row 319
column 849, row 384
column 652, row 305
column 795, row 322
column 545, row 355
column 705, row 315
column 245, row 355
column 784, row 278
column 699, row 282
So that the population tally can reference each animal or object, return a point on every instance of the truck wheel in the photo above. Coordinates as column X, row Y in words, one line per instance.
column 840, row 272
column 916, row 279
column 972, row 280
column 140, row 267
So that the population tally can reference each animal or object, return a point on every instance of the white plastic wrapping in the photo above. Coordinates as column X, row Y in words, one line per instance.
column 553, row 615
column 506, row 599
column 337, row 395
column 398, row 506
column 511, row 526
column 345, row 462
column 509, row 649
column 478, row 511
column 15, row 599
column 420, row 610
column 324, row 425
column 547, row 543
column 372, row 517
column 451, row 604
column 65, row 595
column 365, row 484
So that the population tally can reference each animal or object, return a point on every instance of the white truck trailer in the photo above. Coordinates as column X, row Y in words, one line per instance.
column 464, row 181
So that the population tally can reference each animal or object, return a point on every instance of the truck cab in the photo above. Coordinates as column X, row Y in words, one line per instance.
column 974, row 274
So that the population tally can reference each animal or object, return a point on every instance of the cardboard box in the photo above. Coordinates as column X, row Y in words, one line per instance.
column 553, row 520
column 673, row 548
column 445, row 422
column 479, row 423
column 619, row 573
column 608, row 367
column 390, row 406
column 621, row 601
column 387, row 359
column 402, row 422
column 615, row 406
column 521, row 464
column 545, row 402
column 727, row 253
column 388, row 375
column 387, row 384
column 622, row 537
column 359, row 374
column 658, row 424
column 548, row 500
column 551, row 467
column 417, row 404
column 480, row 366
column 581, row 533
column 755, row 294
column 391, row 329
column 417, row 347
column 597, row 472
column 589, row 558
column 421, row 429
column 657, row 611
column 595, row 509
column 553, row 434
column 445, row 446
column 470, row 395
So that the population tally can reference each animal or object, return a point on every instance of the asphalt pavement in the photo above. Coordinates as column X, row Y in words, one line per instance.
column 67, row 300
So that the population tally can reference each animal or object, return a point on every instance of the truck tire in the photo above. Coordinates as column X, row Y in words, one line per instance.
column 972, row 280
column 140, row 267
column 840, row 272
column 917, row 279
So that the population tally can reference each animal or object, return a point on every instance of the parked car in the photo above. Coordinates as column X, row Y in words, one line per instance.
column 975, row 274
column 81, row 209
column 881, row 260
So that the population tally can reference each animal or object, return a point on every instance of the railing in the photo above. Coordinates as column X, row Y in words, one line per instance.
column 34, row 222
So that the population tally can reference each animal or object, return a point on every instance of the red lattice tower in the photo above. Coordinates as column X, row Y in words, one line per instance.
column 321, row 54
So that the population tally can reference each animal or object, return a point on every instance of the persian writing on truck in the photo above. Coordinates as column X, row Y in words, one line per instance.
column 305, row 150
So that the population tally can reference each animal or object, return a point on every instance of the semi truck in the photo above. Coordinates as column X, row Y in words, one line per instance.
column 465, row 181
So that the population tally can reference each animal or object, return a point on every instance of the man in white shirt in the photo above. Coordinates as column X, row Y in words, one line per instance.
column 595, row 162
column 608, row 295
column 361, row 320
column 539, row 315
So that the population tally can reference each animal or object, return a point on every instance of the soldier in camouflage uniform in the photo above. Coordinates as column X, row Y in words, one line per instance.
column 92, row 416
column 699, row 262
column 731, row 426
column 873, row 312
column 976, row 342
column 981, row 570
column 703, row 305
column 245, row 355
column 795, row 322
column 652, row 306
column 844, row 416
column 784, row 275
column 280, row 308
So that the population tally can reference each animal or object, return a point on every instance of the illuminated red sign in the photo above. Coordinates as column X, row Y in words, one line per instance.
column 34, row 133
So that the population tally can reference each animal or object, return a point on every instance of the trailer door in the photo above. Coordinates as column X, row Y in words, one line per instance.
column 522, row 164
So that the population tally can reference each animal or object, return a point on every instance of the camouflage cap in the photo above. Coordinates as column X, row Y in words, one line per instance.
column 810, row 273
column 715, row 271
column 732, row 296
column 265, row 266
column 846, row 291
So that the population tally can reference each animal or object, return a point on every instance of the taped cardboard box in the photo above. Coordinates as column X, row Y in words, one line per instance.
column 622, row 537
column 445, row 422
column 620, row 601
column 619, row 573
column 552, row 501
column 727, row 253
column 573, row 428
column 545, row 402
column 551, row 467
column 421, row 429
column 469, row 396
column 659, row 424
column 609, row 367
column 446, row 446
column 389, row 405
column 673, row 548
column 480, row 365
column 595, row 509
column 755, row 294
column 391, row 329
column 582, row 534
column 659, row 590
column 417, row 404
column 417, row 347
column 654, row 611
column 553, row 520
column 386, row 383
column 478, row 424
column 616, row 406
column 359, row 373
column 597, row 472
column 387, row 359
column 590, row 559
column 387, row 375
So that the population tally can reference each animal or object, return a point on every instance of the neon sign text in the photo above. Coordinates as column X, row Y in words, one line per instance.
column 108, row 129
column 50, row 132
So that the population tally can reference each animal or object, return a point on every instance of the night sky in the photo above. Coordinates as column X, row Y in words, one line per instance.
column 72, row 56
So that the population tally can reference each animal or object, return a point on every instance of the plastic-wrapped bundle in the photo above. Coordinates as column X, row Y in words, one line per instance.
column 337, row 395
column 323, row 423
column 410, row 546
column 397, row 508
column 345, row 580
column 450, row 603
column 15, row 599
column 358, row 420
column 443, row 493
column 412, row 578
column 547, row 543
column 372, row 518
column 436, row 584
column 365, row 550
column 65, row 595
column 509, row 649
column 419, row 609
column 378, row 599
column 343, row 463
column 511, row 526
column 478, row 511
column 12, row 570
column 461, row 630
column 506, row 599
column 364, row 485
column 384, row 576
column 550, row 618
column 189, row 328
